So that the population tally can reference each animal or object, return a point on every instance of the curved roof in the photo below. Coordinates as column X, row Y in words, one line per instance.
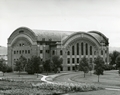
column 101, row 38
column 54, row 35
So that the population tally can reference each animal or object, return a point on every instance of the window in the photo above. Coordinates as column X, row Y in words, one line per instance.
column 28, row 51
column 25, row 51
column 53, row 52
column 17, row 51
column 60, row 52
column 19, row 44
column 86, row 46
column 82, row 52
column 14, row 52
column 73, row 60
column 41, row 51
column 20, row 52
column 73, row 50
column 90, row 50
column 68, row 53
column 101, row 52
column 94, row 52
column 77, row 48
column 68, row 60
column 77, row 60
column 68, row 68
column 23, row 44
column 73, row 68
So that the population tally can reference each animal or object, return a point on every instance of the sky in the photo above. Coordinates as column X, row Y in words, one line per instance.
column 66, row 15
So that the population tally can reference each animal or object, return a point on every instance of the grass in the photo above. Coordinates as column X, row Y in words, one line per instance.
column 22, row 85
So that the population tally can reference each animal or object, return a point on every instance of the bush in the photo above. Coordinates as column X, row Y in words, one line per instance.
column 109, row 67
column 9, row 69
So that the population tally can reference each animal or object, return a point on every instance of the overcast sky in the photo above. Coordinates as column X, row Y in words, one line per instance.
column 68, row 15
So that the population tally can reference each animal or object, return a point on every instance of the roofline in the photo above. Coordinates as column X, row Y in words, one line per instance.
column 79, row 33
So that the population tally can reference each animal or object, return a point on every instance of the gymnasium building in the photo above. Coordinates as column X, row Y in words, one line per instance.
column 69, row 45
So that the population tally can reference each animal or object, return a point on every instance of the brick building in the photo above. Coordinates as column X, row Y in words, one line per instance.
column 71, row 46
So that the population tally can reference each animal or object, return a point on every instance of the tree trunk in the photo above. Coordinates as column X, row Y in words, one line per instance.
column 98, row 78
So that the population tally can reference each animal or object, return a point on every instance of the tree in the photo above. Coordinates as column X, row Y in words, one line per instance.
column 21, row 64
column 84, row 65
column 113, row 57
column 118, row 63
column 47, row 66
column 3, row 66
column 57, row 62
column 90, row 68
column 33, row 65
column 99, row 66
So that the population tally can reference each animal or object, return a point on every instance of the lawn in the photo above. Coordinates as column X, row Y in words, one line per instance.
column 12, row 84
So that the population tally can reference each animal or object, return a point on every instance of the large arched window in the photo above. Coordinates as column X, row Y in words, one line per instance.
column 73, row 52
column 77, row 48
column 86, row 46
column 90, row 50
column 82, row 52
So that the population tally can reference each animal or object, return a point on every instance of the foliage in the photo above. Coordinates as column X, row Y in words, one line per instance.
column 90, row 68
column 113, row 57
column 57, row 62
column 33, row 65
column 99, row 66
column 84, row 65
column 118, row 63
column 9, row 69
column 48, row 66
column 67, row 87
column 108, row 67
column 3, row 66
column 20, row 64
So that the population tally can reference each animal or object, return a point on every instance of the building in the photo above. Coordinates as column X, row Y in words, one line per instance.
column 71, row 46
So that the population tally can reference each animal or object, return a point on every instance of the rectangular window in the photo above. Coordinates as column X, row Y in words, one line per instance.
column 68, row 60
column 53, row 52
column 77, row 60
column 61, row 52
column 41, row 51
column 101, row 52
column 20, row 52
column 68, row 68
column 73, row 68
column 73, row 60
column 25, row 51
column 14, row 52
column 28, row 51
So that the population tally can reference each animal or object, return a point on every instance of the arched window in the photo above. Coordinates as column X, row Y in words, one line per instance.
column 86, row 46
column 77, row 48
column 73, row 52
column 82, row 52
column 90, row 50
column 68, row 53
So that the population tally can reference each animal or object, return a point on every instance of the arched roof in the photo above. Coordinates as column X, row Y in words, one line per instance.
column 80, row 35
column 99, row 36
column 54, row 35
